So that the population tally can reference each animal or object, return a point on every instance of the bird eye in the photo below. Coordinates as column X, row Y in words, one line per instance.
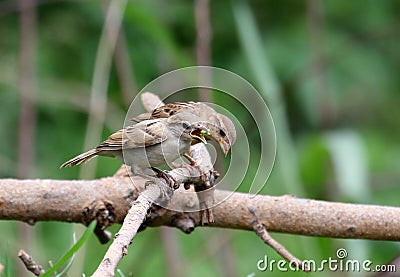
column 186, row 125
column 222, row 133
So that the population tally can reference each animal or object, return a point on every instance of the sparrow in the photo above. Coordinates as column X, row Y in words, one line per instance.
column 220, row 126
column 149, row 143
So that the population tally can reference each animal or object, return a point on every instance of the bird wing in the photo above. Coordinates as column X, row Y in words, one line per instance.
column 166, row 111
column 172, row 108
column 143, row 134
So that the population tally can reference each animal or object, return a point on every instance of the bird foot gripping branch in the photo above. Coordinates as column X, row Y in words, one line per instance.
column 203, row 181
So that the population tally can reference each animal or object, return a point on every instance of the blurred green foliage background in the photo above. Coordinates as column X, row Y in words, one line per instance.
column 329, row 71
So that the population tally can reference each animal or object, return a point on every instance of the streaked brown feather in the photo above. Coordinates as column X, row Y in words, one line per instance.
column 140, row 135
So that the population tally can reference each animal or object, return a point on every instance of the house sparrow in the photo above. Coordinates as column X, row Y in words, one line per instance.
column 221, row 129
column 220, row 126
column 149, row 143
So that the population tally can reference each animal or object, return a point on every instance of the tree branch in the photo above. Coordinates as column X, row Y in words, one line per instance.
column 70, row 201
column 30, row 264
column 123, row 238
column 263, row 233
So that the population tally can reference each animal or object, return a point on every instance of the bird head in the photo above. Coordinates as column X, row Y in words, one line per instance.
column 220, row 129
column 220, row 135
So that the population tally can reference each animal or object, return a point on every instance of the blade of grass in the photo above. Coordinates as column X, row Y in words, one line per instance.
column 269, row 88
column 119, row 271
column 66, row 268
column 86, row 235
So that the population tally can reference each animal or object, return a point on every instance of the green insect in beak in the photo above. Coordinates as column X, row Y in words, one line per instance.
column 199, row 133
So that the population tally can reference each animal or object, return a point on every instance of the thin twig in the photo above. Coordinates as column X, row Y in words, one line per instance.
column 150, row 101
column 29, row 263
column 133, row 220
column 262, row 232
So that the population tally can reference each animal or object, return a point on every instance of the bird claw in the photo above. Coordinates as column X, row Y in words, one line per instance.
column 190, row 159
column 192, row 163
column 171, row 182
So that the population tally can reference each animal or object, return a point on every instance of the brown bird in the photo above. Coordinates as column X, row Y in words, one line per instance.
column 220, row 126
column 149, row 143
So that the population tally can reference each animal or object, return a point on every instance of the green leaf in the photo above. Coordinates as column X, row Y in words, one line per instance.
column 88, row 233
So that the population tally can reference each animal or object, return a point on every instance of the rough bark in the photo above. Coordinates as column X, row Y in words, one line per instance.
column 78, row 201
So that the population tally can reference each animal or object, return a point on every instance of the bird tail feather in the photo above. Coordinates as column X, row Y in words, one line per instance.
column 82, row 158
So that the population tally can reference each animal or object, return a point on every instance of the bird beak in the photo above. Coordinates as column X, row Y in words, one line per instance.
column 202, row 133
column 225, row 145
column 218, row 135
column 199, row 133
